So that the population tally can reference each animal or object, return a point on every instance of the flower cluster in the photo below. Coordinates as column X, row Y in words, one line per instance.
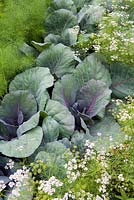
column 89, row 153
column 72, row 170
column 10, row 164
column 50, row 185
column 66, row 196
column 122, row 5
column 18, row 179
column 124, row 114
column 74, row 166
column 115, row 38
column 105, row 177
column 81, row 195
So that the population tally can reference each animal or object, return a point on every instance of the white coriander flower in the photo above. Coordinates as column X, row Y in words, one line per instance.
column 99, row 134
column 110, row 138
column 10, row 164
column 98, row 198
column 2, row 185
column 11, row 184
column 50, row 185
column 120, row 177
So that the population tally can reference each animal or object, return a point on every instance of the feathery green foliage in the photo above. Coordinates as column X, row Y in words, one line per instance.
column 20, row 21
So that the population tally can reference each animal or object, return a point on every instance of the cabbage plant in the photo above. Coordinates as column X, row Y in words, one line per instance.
column 28, row 117
column 20, row 134
column 86, row 92
column 60, row 20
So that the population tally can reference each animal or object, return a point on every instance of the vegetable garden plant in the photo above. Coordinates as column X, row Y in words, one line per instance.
column 66, row 122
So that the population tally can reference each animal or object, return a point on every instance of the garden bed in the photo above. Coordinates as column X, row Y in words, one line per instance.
column 67, row 106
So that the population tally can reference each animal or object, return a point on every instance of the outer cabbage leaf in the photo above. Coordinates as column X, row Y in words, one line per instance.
column 80, row 3
column 106, row 133
column 28, row 50
column 89, row 16
column 67, row 37
column 52, row 38
column 40, row 46
column 35, row 80
column 62, row 116
column 24, row 146
column 122, row 80
column 60, row 59
column 63, row 4
column 59, row 21
column 5, row 179
column 70, row 35
column 88, row 11
column 92, row 68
